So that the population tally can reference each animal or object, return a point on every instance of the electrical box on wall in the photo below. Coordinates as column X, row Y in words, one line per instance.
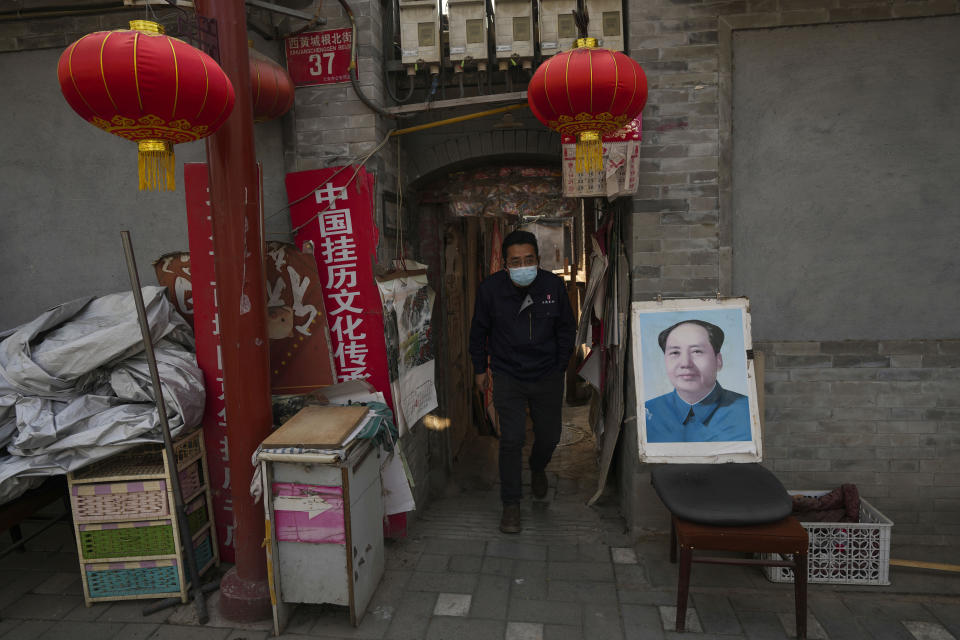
column 606, row 23
column 467, row 24
column 558, row 31
column 514, row 33
column 420, row 35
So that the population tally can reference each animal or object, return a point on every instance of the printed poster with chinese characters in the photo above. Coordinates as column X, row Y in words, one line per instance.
column 319, row 57
column 335, row 214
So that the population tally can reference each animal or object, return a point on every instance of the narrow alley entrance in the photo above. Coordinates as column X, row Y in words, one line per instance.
column 463, row 217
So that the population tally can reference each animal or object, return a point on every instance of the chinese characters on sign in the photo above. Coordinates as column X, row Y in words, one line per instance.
column 319, row 57
column 338, row 220
column 206, row 326
column 300, row 358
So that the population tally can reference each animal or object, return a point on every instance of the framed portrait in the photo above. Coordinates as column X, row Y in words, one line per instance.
column 695, row 381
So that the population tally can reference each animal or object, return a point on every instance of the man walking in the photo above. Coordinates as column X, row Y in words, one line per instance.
column 523, row 321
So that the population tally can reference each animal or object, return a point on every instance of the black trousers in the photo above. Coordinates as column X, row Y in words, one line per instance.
column 511, row 397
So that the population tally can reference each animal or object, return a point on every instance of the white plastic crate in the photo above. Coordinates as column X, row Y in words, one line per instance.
column 844, row 552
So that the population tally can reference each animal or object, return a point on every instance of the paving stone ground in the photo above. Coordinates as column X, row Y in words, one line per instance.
column 573, row 573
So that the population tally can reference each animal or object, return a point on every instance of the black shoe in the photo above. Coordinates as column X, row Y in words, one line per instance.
column 510, row 522
column 538, row 483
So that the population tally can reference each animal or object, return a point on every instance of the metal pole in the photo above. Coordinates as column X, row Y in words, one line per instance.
column 185, row 538
column 241, row 295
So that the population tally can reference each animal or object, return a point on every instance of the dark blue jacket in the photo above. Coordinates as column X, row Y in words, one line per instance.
column 525, row 341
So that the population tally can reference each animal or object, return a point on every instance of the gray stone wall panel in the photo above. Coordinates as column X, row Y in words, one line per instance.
column 875, row 410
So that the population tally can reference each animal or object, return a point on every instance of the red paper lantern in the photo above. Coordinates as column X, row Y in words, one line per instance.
column 587, row 92
column 271, row 86
column 146, row 87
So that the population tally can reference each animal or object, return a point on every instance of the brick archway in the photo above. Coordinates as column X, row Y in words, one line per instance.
column 429, row 155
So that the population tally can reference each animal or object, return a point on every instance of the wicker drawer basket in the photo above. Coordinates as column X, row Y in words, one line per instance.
column 125, row 539
column 119, row 501
column 127, row 536
column 137, row 539
column 117, row 580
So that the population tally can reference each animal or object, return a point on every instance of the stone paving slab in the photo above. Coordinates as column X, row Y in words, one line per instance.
column 529, row 588
column 491, row 598
column 29, row 630
column 70, row 630
column 432, row 562
column 465, row 564
column 837, row 620
column 716, row 614
column 412, row 616
column 40, row 607
column 561, row 632
column 588, row 571
column 543, row 611
column 140, row 631
column 445, row 582
column 948, row 615
column 602, row 622
column 445, row 628
column 641, row 622
column 763, row 625
column 581, row 591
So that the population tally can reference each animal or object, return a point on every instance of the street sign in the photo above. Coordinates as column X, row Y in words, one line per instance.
column 319, row 57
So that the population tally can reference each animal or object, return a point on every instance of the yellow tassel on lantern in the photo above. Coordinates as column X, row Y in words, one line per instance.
column 157, row 165
column 589, row 158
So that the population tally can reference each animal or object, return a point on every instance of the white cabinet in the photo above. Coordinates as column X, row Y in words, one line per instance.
column 324, row 520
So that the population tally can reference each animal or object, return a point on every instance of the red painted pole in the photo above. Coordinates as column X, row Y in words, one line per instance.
column 238, row 260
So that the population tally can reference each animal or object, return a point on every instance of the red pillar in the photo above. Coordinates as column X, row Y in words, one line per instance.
column 241, row 302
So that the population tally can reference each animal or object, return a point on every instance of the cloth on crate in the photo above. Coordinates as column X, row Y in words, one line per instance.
column 840, row 505
column 381, row 428
column 75, row 386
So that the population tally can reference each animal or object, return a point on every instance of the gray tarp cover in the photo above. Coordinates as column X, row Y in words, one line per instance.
column 75, row 386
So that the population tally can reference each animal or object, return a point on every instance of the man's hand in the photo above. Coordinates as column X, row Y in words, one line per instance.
column 481, row 381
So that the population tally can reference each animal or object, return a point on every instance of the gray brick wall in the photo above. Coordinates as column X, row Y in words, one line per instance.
column 681, row 237
column 881, row 414
column 332, row 125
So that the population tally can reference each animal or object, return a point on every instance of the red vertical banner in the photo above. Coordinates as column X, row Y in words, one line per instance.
column 334, row 210
column 206, row 326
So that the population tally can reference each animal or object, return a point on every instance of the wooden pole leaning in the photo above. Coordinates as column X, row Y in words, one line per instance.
column 181, row 515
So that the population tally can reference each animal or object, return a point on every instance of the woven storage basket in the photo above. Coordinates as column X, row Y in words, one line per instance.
column 191, row 480
column 119, row 501
column 204, row 551
column 187, row 448
column 126, row 539
column 197, row 514
column 125, row 579
column 844, row 552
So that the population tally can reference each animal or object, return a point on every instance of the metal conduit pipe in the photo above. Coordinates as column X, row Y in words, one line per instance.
column 412, row 81
column 471, row 116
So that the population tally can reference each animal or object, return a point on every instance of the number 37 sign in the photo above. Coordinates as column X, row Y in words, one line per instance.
column 319, row 57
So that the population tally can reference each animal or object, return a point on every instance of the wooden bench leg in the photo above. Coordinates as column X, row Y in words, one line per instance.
column 673, row 541
column 683, row 587
column 800, row 592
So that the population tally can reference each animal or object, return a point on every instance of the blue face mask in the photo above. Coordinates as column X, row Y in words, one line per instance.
column 523, row 276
